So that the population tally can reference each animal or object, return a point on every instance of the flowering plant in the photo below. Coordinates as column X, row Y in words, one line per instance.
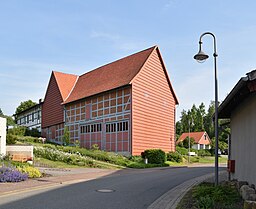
column 9, row 174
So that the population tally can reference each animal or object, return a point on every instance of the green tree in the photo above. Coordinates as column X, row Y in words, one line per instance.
column 24, row 105
column 208, row 120
column 10, row 120
column 197, row 119
column 1, row 113
column 192, row 119
column 186, row 142
column 66, row 137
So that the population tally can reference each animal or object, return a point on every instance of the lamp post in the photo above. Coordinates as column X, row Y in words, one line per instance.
column 201, row 57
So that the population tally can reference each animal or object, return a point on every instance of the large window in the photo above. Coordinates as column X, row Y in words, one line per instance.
column 117, row 127
column 91, row 128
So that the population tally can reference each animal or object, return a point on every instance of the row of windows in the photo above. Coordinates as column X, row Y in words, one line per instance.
column 110, row 127
column 92, row 128
column 31, row 117
column 117, row 127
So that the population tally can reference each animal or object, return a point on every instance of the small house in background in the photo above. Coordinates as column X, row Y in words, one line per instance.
column 125, row 106
column 202, row 140
column 31, row 117
column 240, row 107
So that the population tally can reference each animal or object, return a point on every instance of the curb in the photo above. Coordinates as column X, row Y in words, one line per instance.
column 170, row 199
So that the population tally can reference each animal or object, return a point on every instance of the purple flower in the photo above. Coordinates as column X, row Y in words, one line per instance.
column 9, row 174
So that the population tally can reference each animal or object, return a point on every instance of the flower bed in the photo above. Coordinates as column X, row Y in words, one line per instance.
column 10, row 174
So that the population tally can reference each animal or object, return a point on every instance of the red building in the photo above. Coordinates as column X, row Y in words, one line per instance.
column 126, row 106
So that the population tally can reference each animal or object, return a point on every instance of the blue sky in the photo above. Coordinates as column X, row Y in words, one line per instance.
column 75, row 36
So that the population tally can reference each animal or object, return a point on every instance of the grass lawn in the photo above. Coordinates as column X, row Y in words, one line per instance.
column 207, row 196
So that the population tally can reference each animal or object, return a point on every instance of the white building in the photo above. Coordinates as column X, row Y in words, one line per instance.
column 2, row 136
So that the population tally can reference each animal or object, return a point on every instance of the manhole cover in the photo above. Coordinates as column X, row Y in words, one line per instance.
column 105, row 190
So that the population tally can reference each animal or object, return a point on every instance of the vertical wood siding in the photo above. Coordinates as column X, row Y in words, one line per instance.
column 153, row 109
column 52, row 110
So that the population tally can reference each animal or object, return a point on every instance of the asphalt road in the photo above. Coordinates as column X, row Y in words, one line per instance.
column 125, row 189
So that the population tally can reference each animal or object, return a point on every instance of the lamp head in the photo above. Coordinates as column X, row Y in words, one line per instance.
column 201, row 56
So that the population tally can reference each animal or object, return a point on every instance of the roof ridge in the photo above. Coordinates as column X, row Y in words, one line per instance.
column 118, row 60
column 153, row 48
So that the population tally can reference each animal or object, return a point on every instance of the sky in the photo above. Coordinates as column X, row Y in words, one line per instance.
column 76, row 36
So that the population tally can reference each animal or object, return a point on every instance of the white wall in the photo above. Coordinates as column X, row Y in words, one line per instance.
column 2, row 136
column 20, row 149
column 243, row 140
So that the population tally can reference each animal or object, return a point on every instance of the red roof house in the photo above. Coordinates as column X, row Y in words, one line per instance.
column 202, row 140
column 126, row 106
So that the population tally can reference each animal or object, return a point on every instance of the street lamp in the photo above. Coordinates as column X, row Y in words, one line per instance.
column 201, row 57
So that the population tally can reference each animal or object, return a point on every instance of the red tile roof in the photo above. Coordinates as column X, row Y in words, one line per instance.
column 110, row 76
column 65, row 82
column 195, row 135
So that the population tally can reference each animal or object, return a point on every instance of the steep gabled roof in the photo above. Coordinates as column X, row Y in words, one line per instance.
column 195, row 135
column 113, row 75
column 65, row 82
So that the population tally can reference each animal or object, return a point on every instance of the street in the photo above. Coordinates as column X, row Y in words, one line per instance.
column 125, row 189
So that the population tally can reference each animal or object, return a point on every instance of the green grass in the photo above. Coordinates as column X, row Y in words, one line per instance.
column 57, row 164
column 103, row 159
column 207, row 196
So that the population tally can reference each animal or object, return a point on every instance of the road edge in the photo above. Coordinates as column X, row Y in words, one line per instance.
column 170, row 199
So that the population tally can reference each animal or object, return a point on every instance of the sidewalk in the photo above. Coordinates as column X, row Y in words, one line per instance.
column 58, row 177
column 171, row 199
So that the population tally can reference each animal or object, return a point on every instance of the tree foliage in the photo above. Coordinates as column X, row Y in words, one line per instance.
column 24, row 105
column 197, row 119
column 10, row 120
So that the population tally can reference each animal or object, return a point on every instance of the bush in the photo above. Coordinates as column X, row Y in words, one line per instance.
column 95, row 147
column 11, row 139
column 210, row 196
column 18, row 130
column 182, row 150
column 203, row 153
column 155, row 156
column 30, row 171
column 33, row 132
column 174, row 157
column 9, row 174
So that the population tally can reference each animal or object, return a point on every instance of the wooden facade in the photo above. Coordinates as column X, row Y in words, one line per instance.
column 153, row 108
column 129, row 114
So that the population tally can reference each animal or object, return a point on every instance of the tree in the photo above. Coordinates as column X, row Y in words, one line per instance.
column 192, row 119
column 10, row 121
column 1, row 112
column 66, row 137
column 186, row 142
column 208, row 120
column 197, row 119
column 24, row 105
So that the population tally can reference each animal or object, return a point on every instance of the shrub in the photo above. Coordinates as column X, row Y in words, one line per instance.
column 30, row 171
column 66, row 137
column 9, row 174
column 174, row 157
column 18, row 130
column 182, row 150
column 32, row 132
column 155, row 156
column 210, row 196
column 11, row 139
column 137, row 159
column 203, row 153
column 95, row 147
